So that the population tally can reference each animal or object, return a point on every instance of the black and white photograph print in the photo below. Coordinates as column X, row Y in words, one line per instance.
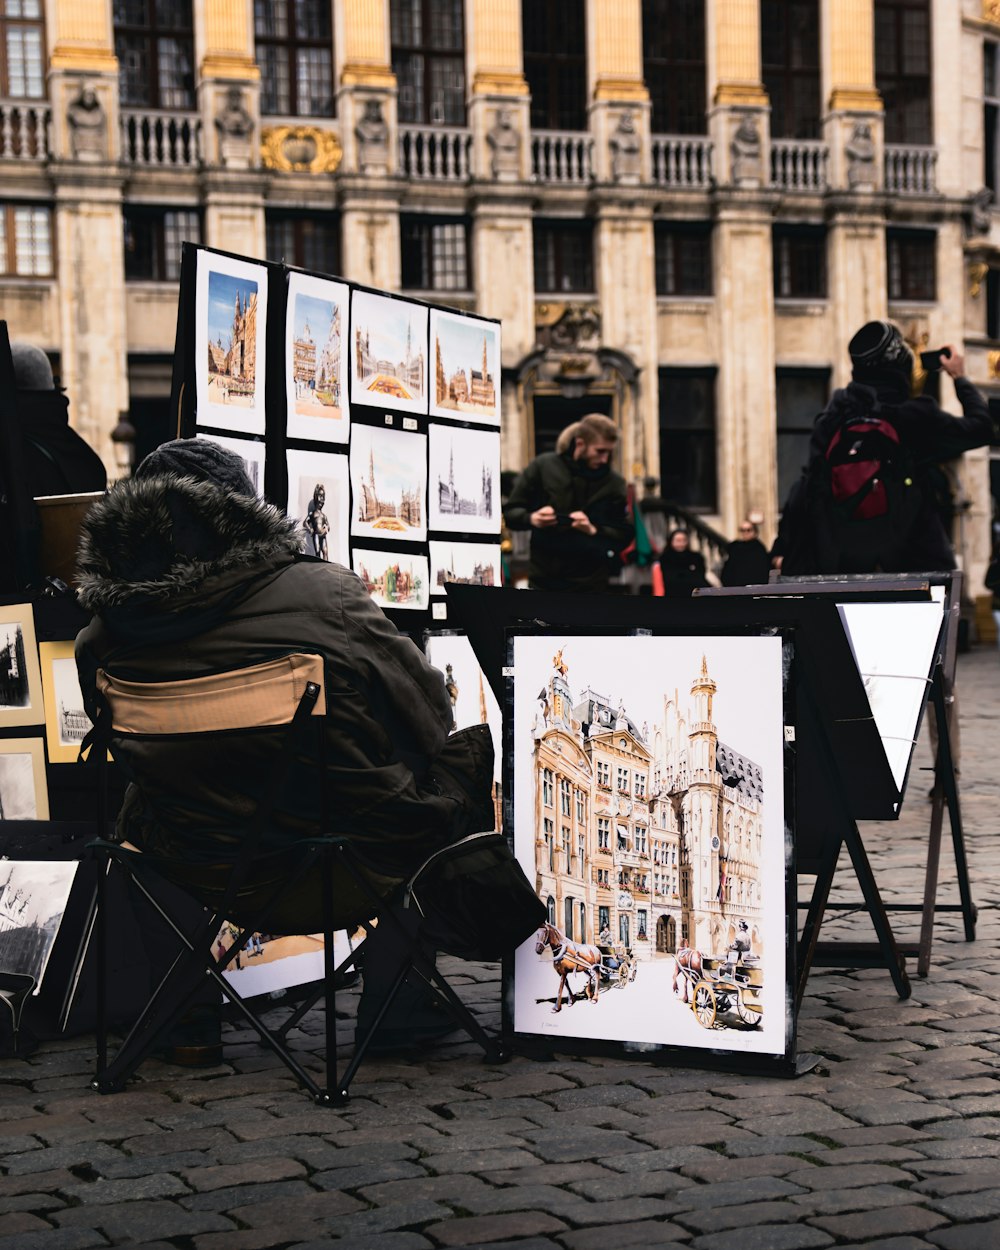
column 23, row 792
column 394, row 579
column 468, row 564
column 250, row 452
column 33, row 898
column 465, row 356
column 464, row 480
column 388, row 353
column 649, row 815
column 229, row 338
column 66, row 722
column 319, row 499
column 20, row 680
column 389, row 483
column 316, row 359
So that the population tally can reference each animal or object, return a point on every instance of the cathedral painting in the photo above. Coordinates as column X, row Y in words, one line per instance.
column 229, row 343
column 649, row 814
column 465, row 356
column 316, row 359
column 388, row 352
column 464, row 480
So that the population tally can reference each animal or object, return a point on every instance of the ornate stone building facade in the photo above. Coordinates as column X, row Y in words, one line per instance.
column 679, row 216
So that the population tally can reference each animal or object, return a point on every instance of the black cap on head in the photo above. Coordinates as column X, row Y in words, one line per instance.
column 198, row 458
column 32, row 370
column 879, row 345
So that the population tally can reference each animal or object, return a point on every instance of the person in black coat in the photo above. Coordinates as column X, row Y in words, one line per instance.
column 748, row 562
column 683, row 569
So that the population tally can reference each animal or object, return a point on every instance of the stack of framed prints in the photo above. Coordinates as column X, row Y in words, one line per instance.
column 374, row 420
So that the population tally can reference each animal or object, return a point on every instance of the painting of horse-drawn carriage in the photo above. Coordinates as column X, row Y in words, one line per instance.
column 649, row 811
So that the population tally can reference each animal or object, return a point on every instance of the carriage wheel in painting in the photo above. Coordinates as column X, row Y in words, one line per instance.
column 748, row 1012
column 703, row 1004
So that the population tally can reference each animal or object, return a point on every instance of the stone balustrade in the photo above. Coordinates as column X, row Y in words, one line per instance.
column 562, row 156
column 799, row 164
column 435, row 153
column 682, row 161
column 910, row 170
column 24, row 130
column 161, row 140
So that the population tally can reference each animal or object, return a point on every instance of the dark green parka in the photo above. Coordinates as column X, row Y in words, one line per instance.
column 186, row 579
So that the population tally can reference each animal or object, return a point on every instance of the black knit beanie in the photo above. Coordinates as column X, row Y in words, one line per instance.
column 198, row 458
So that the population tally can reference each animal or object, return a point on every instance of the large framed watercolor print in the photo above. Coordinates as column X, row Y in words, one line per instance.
column 229, row 342
column 650, row 811
column 316, row 359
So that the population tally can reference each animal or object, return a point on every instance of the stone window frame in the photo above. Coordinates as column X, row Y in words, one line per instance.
column 431, row 257
column 428, row 49
column 555, row 68
column 689, row 436
column 786, row 81
column 799, row 261
column 320, row 253
column 671, row 31
column 150, row 29
column 27, row 27
column 165, row 233
column 563, row 253
column 293, row 58
column 16, row 244
column 900, row 88
column 794, row 429
column 911, row 264
column 682, row 258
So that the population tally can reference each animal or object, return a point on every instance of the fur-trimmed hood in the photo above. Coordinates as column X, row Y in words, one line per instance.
column 161, row 539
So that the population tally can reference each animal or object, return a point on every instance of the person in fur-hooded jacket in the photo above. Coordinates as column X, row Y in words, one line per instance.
column 189, row 573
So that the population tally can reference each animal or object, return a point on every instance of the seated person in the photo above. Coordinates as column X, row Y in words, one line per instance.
column 189, row 573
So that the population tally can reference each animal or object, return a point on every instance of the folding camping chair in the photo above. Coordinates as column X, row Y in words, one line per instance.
column 283, row 699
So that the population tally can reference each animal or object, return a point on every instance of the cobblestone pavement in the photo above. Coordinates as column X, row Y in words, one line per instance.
column 893, row 1140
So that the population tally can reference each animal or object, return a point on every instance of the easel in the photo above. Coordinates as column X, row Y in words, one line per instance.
column 821, row 860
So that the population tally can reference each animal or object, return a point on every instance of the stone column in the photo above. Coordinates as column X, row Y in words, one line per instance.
column 857, row 275
column 619, row 101
column 739, row 116
column 87, row 219
column 502, row 249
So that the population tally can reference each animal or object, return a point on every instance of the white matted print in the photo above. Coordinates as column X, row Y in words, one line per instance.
column 465, row 356
column 394, row 579
column 66, row 722
column 249, row 451
column 464, row 480
column 388, row 353
column 23, row 791
column 230, row 356
column 316, row 359
column 270, row 962
column 471, row 694
column 468, row 564
column 319, row 499
column 389, row 477
column 649, row 815
column 33, row 898
column 20, row 680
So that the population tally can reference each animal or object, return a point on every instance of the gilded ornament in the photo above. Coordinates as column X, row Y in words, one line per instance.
column 993, row 364
column 977, row 272
column 300, row 150
column 991, row 11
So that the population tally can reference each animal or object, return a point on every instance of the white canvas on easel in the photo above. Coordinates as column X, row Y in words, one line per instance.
column 894, row 646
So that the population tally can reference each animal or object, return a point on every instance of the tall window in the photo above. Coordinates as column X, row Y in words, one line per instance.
column 154, row 43
column 548, row 786
column 991, row 114
column 801, row 397
column 22, row 56
column 26, row 240
column 435, row 253
column 903, row 68
column 911, row 257
column 687, row 437
column 428, row 59
column 683, row 258
column 308, row 240
column 564, row 257
column 554, row 34
column 673, row 60
column 295, row 55
column 799, row 262
column 153, row 239
column 789, row 43
column 565, row 796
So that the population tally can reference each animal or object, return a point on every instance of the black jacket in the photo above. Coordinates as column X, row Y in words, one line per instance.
column 186, row 579
column 747, row 564
column 683, row 571
column 563, row 558
column 928, row 436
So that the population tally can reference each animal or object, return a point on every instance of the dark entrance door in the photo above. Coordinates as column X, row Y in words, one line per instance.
column 554, row 412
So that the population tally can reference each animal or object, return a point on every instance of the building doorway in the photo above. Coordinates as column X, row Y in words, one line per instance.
column 666, row 935
column 552, row 413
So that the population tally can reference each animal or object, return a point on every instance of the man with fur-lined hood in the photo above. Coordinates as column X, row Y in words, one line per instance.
column 189, row 573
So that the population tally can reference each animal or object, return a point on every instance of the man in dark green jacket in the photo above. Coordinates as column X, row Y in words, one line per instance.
column 574, row 503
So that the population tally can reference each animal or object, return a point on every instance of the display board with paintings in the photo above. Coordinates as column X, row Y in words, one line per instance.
column 372, row 419
column 648, row 777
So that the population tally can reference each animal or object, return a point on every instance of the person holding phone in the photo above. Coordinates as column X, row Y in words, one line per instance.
column 574, row 503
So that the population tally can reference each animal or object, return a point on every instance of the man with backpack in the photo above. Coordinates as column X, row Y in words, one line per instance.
column 865, row 501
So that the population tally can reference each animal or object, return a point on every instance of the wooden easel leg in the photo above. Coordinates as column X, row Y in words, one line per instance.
column 876, row 908
column 814, row 915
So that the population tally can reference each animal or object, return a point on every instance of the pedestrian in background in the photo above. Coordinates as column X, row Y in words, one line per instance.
column 574, row 504
column 748, row 562
column 683, row 569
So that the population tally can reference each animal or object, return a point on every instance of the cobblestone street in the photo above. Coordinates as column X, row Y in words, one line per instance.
column 892, row 1140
